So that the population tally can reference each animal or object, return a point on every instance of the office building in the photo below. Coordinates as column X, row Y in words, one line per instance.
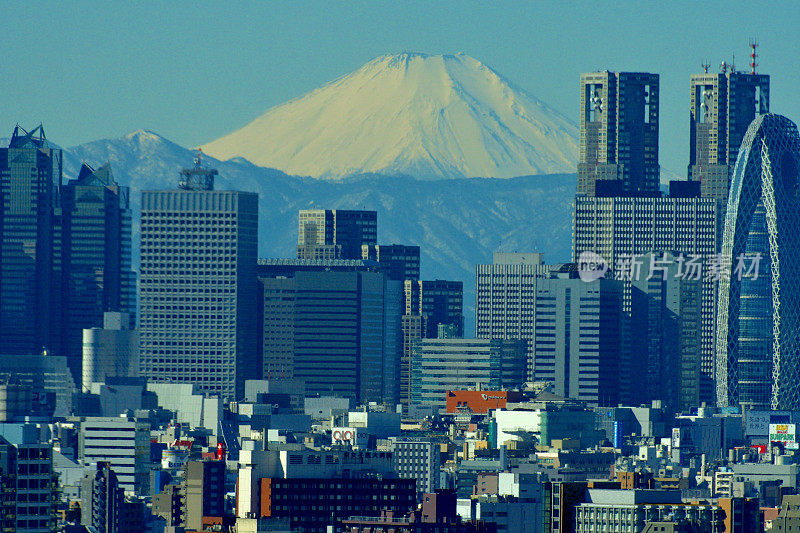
column 110, row 351
column 412, row 330
column 506, row 297
column 46, row 376
column 439, row 301
column 93, row 257
column 335, row 233
column 334, row 500
column 277, row 483
column 30, row 173
column 417, row 459
column 722, row 106
column 758, row 317
column 617, row 229
column 400, row 262
column 8, row 478
column 338, row 331
column 618, row 151
column 441, row 365
column 123, row 443
column 29, row 495
column 577, row 338
column 427, row 305
column 665, row 314
column 436, row 514
column 204, row 493
column 198, row 280
column 654, row 510
column 101, row 500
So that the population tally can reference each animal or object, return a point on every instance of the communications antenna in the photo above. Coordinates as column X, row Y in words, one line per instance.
column 753, row 55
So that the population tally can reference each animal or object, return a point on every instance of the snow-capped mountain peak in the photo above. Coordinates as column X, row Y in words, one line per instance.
column 428, row 116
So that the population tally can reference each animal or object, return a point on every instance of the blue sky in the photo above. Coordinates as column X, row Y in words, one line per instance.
column 193, row 71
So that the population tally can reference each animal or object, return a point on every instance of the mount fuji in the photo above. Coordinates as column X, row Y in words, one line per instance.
column 386, row 137
column 426, row 116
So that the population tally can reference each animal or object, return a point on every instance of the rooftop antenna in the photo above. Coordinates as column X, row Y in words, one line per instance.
column 705, row 66
column 733, row 63
column 753, row 55
column 197, row 178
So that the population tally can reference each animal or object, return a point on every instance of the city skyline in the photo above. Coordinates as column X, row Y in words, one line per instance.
column 390, row 304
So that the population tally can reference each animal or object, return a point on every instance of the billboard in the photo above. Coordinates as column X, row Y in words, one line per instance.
column 676, row 437
column 785, row 434
column 479, row 402
column 347, row 435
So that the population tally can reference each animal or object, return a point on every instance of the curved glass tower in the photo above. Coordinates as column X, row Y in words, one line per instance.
column 758, row 316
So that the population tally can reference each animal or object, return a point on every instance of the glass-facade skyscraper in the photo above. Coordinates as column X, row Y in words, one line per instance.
column 30, row 174
column 758, row 320
column 92, row 260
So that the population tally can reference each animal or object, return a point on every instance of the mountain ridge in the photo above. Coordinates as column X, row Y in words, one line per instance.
column 457, row 223
column 409, row 114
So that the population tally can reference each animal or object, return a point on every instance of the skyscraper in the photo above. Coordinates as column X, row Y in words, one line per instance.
column 577, row 337
column 618, row 152
column 338, row 331
column 619, row 228
column 198, row 281
column 400, row 262
column 335, row 233
column 93, row 256
column 758, row 318
column 666, row 319
column 30, row 173
column 722, row 106
column 506, row 298
column 439, row 301
column 427, row 305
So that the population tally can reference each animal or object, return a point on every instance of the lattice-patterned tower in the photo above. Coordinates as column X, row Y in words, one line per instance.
column 758, row 318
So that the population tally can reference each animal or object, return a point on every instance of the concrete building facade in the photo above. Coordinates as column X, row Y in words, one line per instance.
column 121, row 442
column 110, row 351
column 617, row 229
column 335, row 233
column 441, row 365
column 198, row 276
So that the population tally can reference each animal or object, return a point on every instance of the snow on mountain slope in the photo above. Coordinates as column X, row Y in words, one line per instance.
column 457, row 223
column 427, row 116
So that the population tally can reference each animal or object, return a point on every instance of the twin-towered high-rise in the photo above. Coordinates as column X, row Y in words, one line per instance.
column 65, row 251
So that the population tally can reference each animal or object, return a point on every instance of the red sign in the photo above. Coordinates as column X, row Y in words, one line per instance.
column 479, row 401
